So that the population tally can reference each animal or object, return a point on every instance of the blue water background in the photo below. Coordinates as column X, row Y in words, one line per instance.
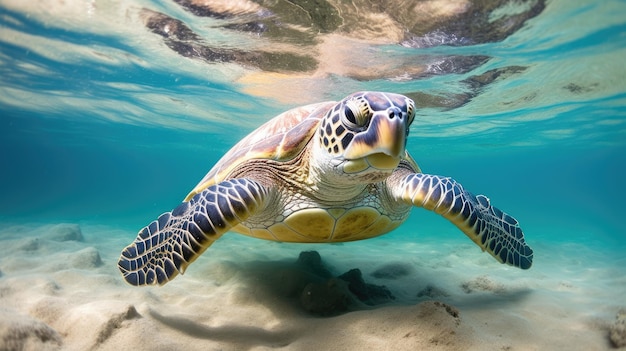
column 552, row 158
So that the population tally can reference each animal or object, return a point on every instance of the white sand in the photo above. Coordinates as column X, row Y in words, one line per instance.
column 60, row 293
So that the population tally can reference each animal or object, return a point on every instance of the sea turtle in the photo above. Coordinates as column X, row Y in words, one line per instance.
column 326, row 172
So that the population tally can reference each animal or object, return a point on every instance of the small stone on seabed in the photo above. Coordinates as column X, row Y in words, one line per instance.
column 617, row 331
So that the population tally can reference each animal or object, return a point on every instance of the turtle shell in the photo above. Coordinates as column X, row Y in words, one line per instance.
column 280, row 139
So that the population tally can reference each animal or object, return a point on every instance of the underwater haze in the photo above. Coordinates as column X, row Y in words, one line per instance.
column 112, row 111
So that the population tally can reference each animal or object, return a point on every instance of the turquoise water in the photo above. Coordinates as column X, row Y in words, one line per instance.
column 102, row 124
column 110, row 112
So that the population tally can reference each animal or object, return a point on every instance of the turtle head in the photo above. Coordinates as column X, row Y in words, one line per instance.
column 367, row 131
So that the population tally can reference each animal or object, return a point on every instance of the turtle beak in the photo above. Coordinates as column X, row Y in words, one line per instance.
column 385, row 135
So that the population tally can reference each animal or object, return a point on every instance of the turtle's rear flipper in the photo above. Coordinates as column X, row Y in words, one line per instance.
column 169, row 244
column 490, row 228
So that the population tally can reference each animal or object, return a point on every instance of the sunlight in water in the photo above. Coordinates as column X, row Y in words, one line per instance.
column 193, row 64
column 112, row 111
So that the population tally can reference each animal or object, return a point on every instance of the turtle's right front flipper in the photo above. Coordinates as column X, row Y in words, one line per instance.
column 493, row 230
column 169, row 244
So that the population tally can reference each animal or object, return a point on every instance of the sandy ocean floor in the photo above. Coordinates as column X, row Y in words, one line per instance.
column 60, row 290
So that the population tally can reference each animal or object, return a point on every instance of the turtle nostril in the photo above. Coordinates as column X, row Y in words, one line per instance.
column 394, row 112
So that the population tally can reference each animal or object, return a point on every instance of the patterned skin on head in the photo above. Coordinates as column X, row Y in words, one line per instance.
column 353, row 117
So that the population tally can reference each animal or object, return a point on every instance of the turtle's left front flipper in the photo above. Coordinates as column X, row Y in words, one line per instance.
column 490, row 228
column 169, row 244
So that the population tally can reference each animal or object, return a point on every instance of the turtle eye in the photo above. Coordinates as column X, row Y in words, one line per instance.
column 355, row 114
column 410, row 112
column 349, row 114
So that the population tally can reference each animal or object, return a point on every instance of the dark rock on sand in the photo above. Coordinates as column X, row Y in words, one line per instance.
column 369, row 294
column 325, row 294
column 312, row 262
column 327, row 298
column 617, row 331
